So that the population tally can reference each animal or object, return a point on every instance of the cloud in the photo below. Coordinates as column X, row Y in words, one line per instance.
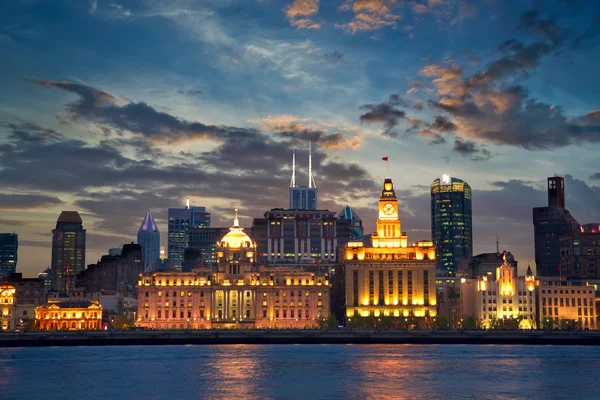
column 470, row 149
column 369, row 15
column 383, row 113
column 27, row 201
column 595, row 176
column 299, row 14
column 491, row 106
column 100, row 107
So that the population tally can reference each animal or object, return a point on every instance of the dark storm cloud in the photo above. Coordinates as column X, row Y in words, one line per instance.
column 470, row 149
column 114, row 190
column 383, row 113
column 27, row 201
column 103, row 108
column 595, row 176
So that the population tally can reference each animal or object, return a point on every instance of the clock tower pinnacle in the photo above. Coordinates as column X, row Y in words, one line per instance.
column 389, row 232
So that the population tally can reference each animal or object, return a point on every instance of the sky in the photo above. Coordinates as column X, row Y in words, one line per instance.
column 116, row 107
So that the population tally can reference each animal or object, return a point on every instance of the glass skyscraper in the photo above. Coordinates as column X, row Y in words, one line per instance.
column 9, row 244
column 451, row 223
column 149, row 239
column 181, row 221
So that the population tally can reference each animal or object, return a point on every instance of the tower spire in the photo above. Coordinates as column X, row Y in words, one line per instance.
column 293, row 182
column 236, row 221
column 309, row 164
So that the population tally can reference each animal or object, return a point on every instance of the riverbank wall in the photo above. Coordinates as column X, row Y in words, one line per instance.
column 120, row 338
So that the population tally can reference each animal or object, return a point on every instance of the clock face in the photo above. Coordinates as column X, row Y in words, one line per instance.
column 389, row 209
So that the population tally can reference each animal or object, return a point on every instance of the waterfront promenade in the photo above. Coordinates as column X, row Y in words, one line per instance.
column 355, row 336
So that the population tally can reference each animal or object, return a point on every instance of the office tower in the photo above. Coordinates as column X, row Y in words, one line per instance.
column 68, row 251
column 580, row 253
column 550, row 224
column 303, row 197
column 390, row 278
column 300, row 236
column 149, row 238
column 451, row 223
column 9, row 245
column 181, row 220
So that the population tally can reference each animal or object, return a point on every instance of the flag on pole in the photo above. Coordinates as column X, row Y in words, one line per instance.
column 384, row 158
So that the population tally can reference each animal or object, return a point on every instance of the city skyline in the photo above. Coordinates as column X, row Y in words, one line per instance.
column 146, row 107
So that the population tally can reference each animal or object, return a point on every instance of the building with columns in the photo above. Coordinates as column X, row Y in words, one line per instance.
column 235, row 293
column 391, row 278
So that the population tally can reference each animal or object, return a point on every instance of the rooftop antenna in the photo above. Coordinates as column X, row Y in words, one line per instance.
column 311, row 179
column 309, row 164
column 293, row 182
column 497, row 243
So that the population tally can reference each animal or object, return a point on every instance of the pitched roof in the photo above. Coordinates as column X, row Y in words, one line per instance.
column 148, row 225
column 70, row 217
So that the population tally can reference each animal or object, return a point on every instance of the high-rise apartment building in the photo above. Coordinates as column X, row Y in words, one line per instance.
column 451, row 223
column 68, row 251
column 149, row 238
column 9, row 245
column 181, row 221
column 550, row 224
column 303, row 197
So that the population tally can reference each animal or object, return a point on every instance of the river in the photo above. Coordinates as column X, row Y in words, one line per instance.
column 301, row 372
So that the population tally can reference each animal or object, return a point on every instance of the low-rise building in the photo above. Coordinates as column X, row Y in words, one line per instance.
column 236, row 293
column 566, row 305
column 7, row 307
column 69, row 315
column 505, row 301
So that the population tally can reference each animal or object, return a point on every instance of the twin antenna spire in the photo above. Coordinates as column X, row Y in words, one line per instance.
column 311, row 179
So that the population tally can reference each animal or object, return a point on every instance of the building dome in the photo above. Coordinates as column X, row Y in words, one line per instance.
column 236, row 237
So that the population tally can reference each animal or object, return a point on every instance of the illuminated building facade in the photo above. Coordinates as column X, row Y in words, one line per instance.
column 234, row 293
column 390, row 278
column 69, row 315
column 29, row 293
column 68, row 251
column 561, row 304
column 7, row 307
column 550, row 224
column 149, row 238
column 9, row 246
column 451, row 223
column 507, row 297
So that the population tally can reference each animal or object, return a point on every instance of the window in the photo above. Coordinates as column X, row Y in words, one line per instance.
column 159, row 314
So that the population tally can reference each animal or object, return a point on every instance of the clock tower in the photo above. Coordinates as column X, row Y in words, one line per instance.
column 389, row 233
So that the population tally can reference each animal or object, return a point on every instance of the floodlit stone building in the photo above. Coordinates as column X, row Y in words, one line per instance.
column 69, row 315
column 236, row 293
column 390, row 278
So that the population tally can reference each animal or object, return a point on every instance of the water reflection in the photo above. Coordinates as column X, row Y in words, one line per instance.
column 234, row 372
column 301, row 372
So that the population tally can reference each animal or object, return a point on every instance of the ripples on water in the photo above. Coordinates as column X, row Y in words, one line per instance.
column 301, row 372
